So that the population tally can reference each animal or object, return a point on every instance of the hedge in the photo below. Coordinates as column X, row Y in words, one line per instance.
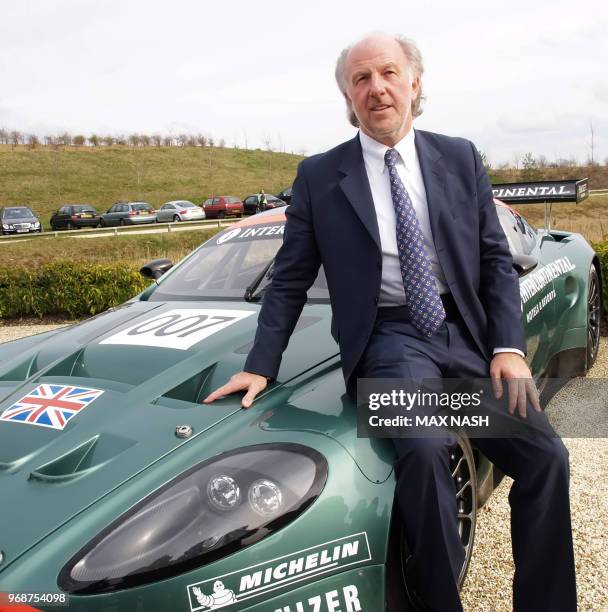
column 601, row 248
column 69, row 288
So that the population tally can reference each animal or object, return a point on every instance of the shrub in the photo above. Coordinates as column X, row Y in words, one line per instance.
column 75, row 289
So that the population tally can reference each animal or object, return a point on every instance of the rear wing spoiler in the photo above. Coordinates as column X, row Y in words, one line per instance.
column 542, row 192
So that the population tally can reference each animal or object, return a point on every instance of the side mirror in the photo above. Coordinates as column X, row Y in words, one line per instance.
column 524, row 263
column 156, row 268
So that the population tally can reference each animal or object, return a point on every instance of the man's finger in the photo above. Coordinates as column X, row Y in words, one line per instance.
column 513, row 387
column 496, row 385
column 521, row 398
column 250, row 396
column 533, row 394
column 226, row 389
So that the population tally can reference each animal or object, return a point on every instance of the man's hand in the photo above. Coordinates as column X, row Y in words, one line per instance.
column 253, row 383
column 520, row 383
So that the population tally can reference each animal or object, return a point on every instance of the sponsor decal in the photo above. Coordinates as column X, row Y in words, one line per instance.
column 50, row 405
column 257, row 580
column 533, row 191
column 179, row 328
column 536, row 281
column 229, row 235
column 249, row 233
column 540, row 305
column 346, row 600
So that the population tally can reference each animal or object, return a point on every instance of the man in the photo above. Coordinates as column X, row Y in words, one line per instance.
column 422, row 286
column 262, row 201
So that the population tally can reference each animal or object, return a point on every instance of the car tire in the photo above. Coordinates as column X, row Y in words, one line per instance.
column 399, row 593
column 594, row 316
column 122, row 223
column 69, row 226
column 221, row 215
column 257, row 210
column 176, row 219
column 102, row 223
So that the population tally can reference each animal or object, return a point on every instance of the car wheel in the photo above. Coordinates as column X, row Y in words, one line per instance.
column 176, row 219
column 70, row 226
column 462, row 467
column 257, row 209
column 594, row 315
column 122, row 222
column 221, row 215
column 102, row 223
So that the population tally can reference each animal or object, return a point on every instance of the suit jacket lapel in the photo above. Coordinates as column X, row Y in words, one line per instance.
column 433, row 174
column 355, row 186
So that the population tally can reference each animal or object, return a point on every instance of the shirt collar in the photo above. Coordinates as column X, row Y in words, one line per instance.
column 374, row 151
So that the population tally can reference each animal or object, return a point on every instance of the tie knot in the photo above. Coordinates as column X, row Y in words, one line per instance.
column 391, row 157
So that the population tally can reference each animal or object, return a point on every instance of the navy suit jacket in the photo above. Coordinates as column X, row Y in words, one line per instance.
column 332, row 221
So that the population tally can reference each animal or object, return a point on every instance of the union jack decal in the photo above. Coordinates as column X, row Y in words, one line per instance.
column 50, row 405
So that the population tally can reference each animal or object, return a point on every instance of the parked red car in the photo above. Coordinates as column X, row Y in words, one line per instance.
column 223, row 206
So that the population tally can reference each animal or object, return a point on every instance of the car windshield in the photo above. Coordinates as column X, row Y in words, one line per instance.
column 83, row 208
column 186, row 205
column 141, row 206
column 17, row 213
column 226, row 266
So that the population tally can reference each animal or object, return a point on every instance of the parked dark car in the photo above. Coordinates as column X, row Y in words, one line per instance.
column 223, row 206
column 285, row 195
column 128, row 213
column 18, row 220
column 252, row 203
column 72, row 216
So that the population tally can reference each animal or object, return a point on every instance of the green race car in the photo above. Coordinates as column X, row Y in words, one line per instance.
column 120, row 491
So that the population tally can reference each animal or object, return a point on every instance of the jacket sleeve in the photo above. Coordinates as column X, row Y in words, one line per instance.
column 296, row 267
column 499, row 283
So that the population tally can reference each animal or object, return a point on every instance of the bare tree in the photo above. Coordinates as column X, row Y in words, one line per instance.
column 15, row 138
column 94, row 140
column 211, row 141
column 108, row 140
column 168, row 141
column 32, row 141
column 222, row 143
column 267, row 140
column 120, row 139
column 3, row 136
column 134, row 140
column 145, row 140
column 157, row 140
column 485, row 161
column 65, row 139
column 201, row 140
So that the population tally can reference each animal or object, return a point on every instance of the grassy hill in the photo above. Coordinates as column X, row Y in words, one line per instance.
column 44, row 178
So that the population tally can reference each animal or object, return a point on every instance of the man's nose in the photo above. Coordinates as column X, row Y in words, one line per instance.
column 377, row 86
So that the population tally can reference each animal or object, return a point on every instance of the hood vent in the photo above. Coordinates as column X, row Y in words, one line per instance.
column 192, row 390
column 84, row 459
column 23, row 370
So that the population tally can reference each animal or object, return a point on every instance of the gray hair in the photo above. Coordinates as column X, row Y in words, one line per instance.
column 414, row 58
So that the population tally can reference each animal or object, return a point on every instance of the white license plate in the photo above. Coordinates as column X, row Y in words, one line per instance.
column 22, row 231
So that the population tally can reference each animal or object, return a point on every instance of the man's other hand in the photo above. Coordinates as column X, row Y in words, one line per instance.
column 520, row 383
column 252, row 383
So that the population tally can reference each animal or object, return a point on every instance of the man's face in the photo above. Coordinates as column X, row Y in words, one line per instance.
column 380, row 87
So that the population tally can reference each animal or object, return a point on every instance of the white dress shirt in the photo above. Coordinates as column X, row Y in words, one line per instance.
column 392, row 292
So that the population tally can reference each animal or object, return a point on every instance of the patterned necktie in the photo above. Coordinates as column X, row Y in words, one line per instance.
column 421, row 294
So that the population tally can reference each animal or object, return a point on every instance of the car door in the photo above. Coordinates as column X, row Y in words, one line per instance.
column 537, row 290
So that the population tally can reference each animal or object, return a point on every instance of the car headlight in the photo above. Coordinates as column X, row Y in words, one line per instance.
column 215, row 508
column 6, row 226
column 36, row 223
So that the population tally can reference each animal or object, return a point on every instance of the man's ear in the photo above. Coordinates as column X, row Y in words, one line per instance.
column 415, row 85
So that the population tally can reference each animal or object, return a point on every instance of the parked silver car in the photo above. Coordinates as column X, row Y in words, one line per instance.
column 128, row 213
column 179, row 210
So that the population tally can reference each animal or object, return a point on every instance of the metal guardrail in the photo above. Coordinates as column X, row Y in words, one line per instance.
column 125, row 229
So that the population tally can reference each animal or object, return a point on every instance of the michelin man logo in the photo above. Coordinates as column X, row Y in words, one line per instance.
column 220, row 597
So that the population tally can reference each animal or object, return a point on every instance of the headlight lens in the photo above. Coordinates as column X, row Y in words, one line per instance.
column 212, row 510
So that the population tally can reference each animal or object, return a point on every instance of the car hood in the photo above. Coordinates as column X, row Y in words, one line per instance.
column 137, row 388
column 20, row 220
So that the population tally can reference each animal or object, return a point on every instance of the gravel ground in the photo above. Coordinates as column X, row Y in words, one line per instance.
column 488, row 584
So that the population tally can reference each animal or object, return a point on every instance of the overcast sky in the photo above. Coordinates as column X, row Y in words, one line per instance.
column 512, row 76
